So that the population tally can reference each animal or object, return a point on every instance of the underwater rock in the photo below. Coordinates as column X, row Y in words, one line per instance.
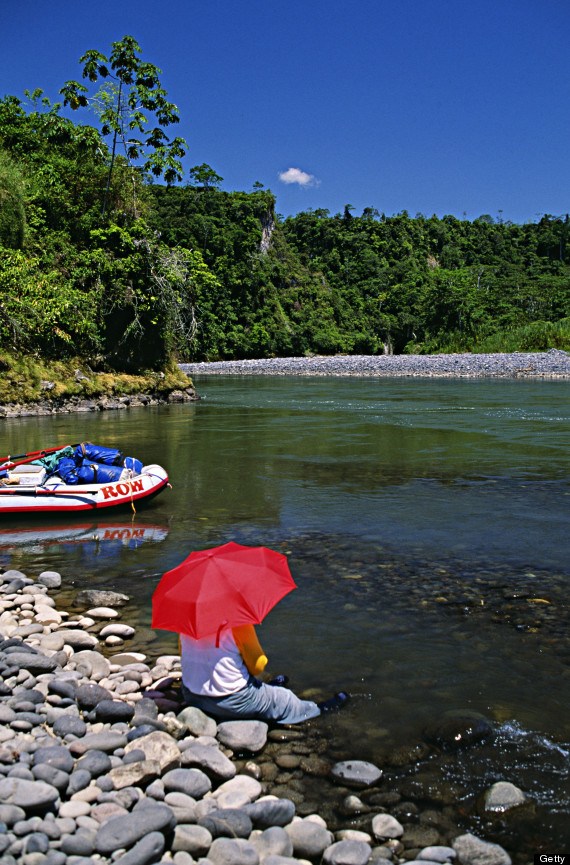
column 458, row 731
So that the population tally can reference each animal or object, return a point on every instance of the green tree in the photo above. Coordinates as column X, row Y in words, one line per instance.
column 12, row 211
column 61, row 166
column 42, row 311
column 205, row 176
column 132, row 92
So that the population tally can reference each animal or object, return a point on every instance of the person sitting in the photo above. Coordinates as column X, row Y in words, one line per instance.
column 220, row 677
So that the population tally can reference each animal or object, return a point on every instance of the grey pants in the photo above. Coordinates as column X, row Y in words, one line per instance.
column 257, row 701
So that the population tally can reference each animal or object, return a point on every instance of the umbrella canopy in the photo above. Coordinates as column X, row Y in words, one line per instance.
column 222, row 587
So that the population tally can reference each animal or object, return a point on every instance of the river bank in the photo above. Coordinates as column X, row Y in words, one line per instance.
column 551, row 364
column 48, row 407
column 92, row 770
column 30, row 386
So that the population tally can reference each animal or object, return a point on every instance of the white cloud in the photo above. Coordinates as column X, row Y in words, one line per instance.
column 295, row 175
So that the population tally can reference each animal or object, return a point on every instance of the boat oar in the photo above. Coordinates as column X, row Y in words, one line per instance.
column 22, row 459
column 43, row 491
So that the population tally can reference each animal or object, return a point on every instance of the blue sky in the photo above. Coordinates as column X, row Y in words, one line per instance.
column 432, row 106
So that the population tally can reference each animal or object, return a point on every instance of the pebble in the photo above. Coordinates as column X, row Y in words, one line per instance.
column 243, row 735
column 309, row 838
column 117, row 630
column 51, row 579
column 127, row 829
column 476, row 851
column 28, row 794
column 438, row 853
column 503, row 796
column 102, row 613
column 145, row 851
column 230, row 822
column 272, row 842
column 385, row 826
column 195, row 840
column 78, row 639
column 197, row 723
column 347, row 853
column 356, row 773
column 93, row 771
column 210, row 759
column 193, row 782
column 270, row 811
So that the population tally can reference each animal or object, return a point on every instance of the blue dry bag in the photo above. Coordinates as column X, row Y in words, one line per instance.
column 133, row 464
column 98, row 454
column 97, row 473
column 67, row 470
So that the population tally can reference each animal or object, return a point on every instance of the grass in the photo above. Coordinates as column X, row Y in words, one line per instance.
column 531, row 337
column 28, row 379
column 536, row 336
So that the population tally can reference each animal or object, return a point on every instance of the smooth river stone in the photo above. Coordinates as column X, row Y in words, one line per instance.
column 126, row 830
column 102, row 613
column 29, row 795
column 356, row 773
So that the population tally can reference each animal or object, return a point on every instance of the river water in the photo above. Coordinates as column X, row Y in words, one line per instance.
column 426, row 523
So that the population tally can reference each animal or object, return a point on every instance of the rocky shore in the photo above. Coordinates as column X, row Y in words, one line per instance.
column 103, row 403
column 553, row 364
column 100, row 764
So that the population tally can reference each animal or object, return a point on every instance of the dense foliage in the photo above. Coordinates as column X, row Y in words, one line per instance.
column 81, row 272
column 100, row 261
column 368, row 284
column 431, row 285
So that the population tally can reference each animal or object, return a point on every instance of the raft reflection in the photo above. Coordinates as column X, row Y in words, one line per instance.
column 97, row 538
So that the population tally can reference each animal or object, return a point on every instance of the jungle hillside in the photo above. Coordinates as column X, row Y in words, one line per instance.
column 110, row 252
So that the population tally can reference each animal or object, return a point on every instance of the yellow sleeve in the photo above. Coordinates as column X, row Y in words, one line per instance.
column 250, row 650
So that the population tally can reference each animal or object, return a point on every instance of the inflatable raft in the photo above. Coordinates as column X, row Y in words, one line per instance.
column 76, row 478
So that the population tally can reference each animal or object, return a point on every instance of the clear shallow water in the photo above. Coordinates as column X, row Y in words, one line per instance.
column 426, row 522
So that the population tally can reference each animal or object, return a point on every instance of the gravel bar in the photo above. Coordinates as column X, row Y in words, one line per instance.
column 552, row 364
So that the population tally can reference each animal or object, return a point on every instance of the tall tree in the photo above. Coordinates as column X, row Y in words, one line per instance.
column 130, row 95
column 205, row 176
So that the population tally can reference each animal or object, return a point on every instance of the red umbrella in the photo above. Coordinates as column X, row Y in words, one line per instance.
column 222, row 587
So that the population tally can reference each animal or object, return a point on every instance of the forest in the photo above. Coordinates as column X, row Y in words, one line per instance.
column 110, row 254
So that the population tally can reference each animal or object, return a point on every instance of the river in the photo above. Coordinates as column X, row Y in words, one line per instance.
column 426, row 522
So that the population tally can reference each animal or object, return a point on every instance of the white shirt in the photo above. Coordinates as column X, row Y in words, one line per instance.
column 210, row 669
